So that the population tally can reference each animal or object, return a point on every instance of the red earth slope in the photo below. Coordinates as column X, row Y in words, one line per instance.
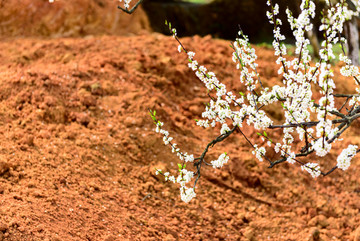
column 78, row 150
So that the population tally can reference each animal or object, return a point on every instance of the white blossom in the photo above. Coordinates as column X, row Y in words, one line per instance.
column 312, row 168
column 259, row 152
column 126, row 3
column 187, row 194
column 322, row 147
column 344, row 159
column 223, row 159
column 224, row 129
column 291, row 158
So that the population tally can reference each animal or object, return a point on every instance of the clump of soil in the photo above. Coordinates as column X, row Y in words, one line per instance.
column 78, row 150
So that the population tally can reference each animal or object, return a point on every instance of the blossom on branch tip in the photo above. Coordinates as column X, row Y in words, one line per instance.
column 126, row 3
column 259, row 152
column 312, row 168
column 187, row 194
column 344, row 159
column 291, row 158
column 322, row 147
column 191, row 55
column 189, row 158
column 224, row 129
column 223, row 159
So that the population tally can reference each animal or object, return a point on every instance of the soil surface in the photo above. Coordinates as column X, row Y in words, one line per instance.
column 78, row 150
column 68, row 18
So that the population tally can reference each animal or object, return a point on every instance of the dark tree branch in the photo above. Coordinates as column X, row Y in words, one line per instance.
column 211, row 144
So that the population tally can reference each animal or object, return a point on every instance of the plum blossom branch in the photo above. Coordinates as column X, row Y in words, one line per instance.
column 317, row 123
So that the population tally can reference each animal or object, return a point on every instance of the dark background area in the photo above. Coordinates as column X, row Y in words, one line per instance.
column 221, row 18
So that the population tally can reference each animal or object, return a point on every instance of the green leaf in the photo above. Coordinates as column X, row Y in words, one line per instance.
column 180, row 166
column 152, row 114
column 265, row 134
column 166, row 22
column 259, row 134
column 241, row 93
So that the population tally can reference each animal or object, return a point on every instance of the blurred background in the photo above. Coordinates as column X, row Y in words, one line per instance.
column 68, row 18
column 220, row 18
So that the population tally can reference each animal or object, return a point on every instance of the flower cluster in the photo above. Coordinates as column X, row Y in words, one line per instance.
column 167, row 141
column 344, row 159
column 301, row 24
column 185, row 176
column 187, row 194
column 322, row 147
column 223, row 159
column 224, row 129
column 259, row 152
column 312, row 168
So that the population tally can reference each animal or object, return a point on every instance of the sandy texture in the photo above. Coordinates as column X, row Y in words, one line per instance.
column 68, row 18
column 78, row 150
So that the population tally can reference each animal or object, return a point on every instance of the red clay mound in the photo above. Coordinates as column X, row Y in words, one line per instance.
column 78, row 152
column 80, row 18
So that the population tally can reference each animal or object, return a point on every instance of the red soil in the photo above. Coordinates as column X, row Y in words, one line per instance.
column 78, row 150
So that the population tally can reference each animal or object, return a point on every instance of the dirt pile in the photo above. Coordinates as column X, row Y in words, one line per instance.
column 78, row 152
column 80, row 18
